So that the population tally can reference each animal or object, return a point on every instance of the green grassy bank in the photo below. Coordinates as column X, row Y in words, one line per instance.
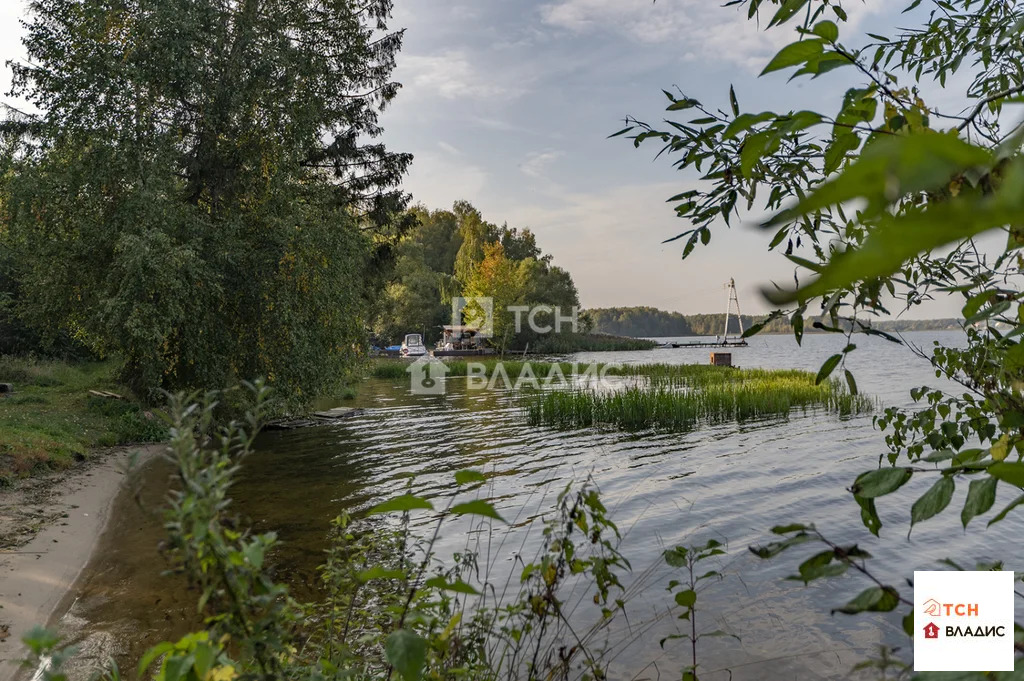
column 50, row 420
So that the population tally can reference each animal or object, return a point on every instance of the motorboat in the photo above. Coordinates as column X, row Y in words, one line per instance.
column 413, row 345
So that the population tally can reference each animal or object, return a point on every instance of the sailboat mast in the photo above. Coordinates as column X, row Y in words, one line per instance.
column 736, row 297
column 728, row 307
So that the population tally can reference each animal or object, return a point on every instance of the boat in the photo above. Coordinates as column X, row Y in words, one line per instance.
column 413, row 345
column 462, row 341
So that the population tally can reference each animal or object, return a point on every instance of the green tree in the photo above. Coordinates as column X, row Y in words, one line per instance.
column 504, row 282
column 925, row 183
column 202, row 193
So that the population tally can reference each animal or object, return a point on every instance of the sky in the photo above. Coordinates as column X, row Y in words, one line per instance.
column 509, row 103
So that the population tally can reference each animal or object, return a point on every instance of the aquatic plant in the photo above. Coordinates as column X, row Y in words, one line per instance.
column 679, row 398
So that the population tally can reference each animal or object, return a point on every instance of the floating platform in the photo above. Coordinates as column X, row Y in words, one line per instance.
column 319, row 418
column 706, row 344
column 464, row 353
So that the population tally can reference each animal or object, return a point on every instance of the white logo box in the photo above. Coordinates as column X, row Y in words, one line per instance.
column 963, row 621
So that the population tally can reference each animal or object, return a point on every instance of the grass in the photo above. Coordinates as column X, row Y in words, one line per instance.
column 679, row 398
column 51, row 421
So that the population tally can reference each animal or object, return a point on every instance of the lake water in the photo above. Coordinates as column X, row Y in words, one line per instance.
column 731, row 482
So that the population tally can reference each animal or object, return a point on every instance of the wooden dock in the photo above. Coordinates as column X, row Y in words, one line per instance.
column 706, row 344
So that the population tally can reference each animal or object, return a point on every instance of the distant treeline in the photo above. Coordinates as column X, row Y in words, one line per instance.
column 651, row 322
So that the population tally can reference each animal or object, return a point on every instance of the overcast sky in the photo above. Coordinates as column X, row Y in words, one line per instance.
column 508, row 104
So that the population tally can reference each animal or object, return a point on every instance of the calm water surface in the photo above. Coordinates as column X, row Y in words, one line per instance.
column 731, row 482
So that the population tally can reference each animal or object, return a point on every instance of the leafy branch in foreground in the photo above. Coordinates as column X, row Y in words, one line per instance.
column 880, row 204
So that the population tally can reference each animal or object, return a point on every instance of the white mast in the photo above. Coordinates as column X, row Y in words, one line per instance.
column 733, row 298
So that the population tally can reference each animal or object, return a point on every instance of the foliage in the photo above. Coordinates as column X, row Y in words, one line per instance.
column 200, row 195
column 687, row 593
column 456, row 252
column 883, row 201
column 503, row 281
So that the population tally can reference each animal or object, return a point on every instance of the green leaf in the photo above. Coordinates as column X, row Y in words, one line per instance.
column 820, row 565
column 1012, row 473
column 792, row 527
column 793, row 54
column 1012, row 505
column 468, row 476
column 753, row 149
column 676, row 557
column 744, row 122
column 874, row 484
column 406, row 502
column 868, row 515
column 773, row 549
column 733, row 102
column 934, row 501
column 682, row 104
column 458, row 586
column 686, row 598
column 477, row 507
column 837, row 148
column 785, row 12
column 152, row 654
column 406, row 651
column 908, row 623
column 890, row 168
column 851, row 382
column 827, row 368
column 827, row 30
column 378, row 572
column 981, row 495
column 873, row 599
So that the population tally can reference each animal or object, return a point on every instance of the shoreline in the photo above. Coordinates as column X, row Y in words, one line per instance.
column 57, row 524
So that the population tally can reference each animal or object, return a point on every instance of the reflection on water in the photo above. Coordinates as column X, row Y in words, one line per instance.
column 731, row 482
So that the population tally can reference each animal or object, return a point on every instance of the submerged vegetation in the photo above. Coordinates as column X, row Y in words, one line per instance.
column 678, row 398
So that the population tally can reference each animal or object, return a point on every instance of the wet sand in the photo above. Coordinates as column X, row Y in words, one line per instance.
column 51, row 528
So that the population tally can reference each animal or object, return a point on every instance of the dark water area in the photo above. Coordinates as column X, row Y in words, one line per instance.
column 730, row 482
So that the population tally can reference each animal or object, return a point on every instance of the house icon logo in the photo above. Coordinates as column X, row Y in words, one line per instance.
column 932, row 607
column 426, row 376
column 931, row 630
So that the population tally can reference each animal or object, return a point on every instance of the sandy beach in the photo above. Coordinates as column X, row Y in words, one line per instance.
column 49, row 529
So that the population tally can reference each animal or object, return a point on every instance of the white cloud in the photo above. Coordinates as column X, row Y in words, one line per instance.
column 536, row 162
column 440, row 179
column 705, row 29
column 450, row 75
column 447, row 148
column 611, row 243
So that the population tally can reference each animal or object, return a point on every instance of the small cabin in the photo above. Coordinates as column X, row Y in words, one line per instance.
column 721, row 359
